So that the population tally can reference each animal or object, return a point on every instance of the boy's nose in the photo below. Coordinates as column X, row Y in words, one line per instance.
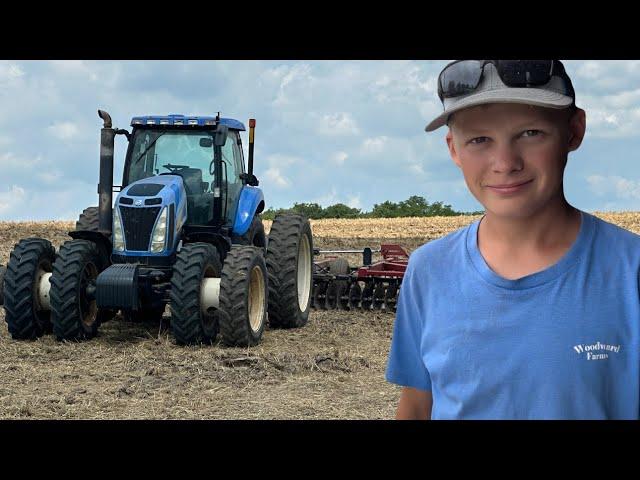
column 506, row 159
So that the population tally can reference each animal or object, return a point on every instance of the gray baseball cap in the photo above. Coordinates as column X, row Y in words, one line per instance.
column 554, row 94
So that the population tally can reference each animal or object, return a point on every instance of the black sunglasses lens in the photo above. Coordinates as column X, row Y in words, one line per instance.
column 520, row 73
column 460, row 78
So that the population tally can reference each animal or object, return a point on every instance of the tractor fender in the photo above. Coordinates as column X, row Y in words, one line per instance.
column 251, row 201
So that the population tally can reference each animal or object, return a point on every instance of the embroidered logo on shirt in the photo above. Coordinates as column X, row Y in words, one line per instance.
column 596, row 351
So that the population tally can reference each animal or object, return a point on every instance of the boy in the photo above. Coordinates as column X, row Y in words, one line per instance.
column 533, row 311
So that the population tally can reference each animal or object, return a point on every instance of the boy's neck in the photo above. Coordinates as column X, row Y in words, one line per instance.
column 557, row 224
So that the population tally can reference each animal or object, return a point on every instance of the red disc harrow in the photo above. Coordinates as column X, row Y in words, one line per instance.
column 372, row 286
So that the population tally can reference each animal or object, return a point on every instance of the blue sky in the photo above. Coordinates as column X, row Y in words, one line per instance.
column 327, row 131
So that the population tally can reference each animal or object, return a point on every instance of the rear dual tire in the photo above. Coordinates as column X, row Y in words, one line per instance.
column 290, row 265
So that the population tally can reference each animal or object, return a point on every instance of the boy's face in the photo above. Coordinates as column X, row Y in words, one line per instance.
column 500, row 146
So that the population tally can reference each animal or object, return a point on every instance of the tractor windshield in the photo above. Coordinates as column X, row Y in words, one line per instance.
column 188, row 153
column 169, row 151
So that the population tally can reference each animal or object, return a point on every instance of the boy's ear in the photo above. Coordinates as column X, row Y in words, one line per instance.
column 577, row 129
column 452, row 149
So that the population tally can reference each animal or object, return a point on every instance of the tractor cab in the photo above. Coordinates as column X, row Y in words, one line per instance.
column 205, row 152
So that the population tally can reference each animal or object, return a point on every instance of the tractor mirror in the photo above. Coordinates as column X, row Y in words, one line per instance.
column 206, row 142
column 221, row 135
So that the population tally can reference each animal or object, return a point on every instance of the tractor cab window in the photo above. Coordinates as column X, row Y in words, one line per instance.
column 178, row 152
column 234, row 169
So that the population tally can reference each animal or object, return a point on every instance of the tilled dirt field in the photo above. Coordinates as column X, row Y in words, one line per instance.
column 333, row 368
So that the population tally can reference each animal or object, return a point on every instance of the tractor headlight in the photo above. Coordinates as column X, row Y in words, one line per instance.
column 118, row 236
column 159, row 234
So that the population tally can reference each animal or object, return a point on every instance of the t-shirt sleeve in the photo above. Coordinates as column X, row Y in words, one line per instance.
column 405, row 365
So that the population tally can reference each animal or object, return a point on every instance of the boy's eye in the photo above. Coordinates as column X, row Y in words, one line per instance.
column 531, row 133
column 478, row 140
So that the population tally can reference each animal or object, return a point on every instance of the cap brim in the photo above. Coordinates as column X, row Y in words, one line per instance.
column 527, row 96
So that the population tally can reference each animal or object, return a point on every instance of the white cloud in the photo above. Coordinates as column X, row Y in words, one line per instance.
column 11, row 198
column 403, row 82
column 15, row 70
column 601, row 119
column 49, row 177
column 383, row 81
column 296, row 82
column 354, row 201
column 612, row 116
column 10, row 70
column 416, row 168
column 623, row 99
column 339, row 158
column 460, row 186
column 374, row 145
column 276, row 178
column 12, row 79
column 590, row 70
column 599, row 75
column 332, row 197
column 338, row 124
column 609, row 93
column 74, row 67
column 429, row 111
column 11, row 161
column 612, row 184
column 329, row 198
column 279, row 160
column 597, row 184
column 64, row 130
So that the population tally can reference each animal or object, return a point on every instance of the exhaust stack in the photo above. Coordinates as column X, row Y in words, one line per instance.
column 105, row 187
column 252, row 127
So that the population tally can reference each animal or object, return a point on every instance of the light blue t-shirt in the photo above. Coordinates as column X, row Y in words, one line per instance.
column 562, row 343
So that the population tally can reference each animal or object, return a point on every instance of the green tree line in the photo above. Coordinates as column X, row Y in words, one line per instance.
column 414, row 206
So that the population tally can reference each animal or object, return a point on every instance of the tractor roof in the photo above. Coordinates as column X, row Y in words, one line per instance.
column 175, row 119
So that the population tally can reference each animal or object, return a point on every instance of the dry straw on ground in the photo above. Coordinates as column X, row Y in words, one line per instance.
column 332, row 368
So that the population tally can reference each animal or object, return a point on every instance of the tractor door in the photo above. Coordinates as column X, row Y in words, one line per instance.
column 232, row 163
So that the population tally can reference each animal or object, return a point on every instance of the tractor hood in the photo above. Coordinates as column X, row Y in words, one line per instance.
column 165, row 187
column 141, row 203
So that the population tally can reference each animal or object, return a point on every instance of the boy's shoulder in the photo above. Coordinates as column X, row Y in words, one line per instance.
column 610, row 231
column 616, row 244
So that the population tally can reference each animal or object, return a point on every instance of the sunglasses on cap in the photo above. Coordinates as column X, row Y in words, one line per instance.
column 462, row 77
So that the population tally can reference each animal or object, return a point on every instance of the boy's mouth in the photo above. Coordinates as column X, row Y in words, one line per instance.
column 509, row 187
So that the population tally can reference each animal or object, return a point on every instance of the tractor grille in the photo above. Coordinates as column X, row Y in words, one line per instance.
column 137, row 224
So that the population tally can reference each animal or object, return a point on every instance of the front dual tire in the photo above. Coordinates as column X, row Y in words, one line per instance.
column 66, row 309
column 74, row 313
column 29, row 261
column 189, row 324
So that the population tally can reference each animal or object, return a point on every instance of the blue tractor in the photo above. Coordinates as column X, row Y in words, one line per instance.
column 184, row 230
